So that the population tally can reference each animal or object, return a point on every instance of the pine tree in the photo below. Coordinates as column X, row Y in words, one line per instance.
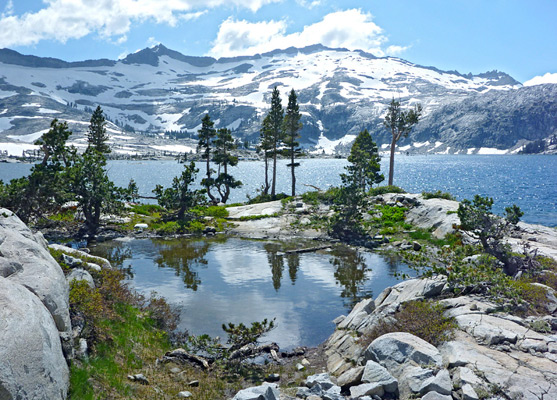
column 206, row 135
column 364, row 167
column 97, row 136
column 400, row 124
column 276, row 115
column 266, row 145
column 291, row 127
column 224, row 144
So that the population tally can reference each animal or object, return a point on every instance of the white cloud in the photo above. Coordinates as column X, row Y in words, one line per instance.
column 8, row 10
column 62, row 20
column 352, row 29
column 540, row 80
column 309, row 3
column 396, row 50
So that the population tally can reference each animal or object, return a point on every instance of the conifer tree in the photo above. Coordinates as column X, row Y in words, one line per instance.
column 364, row 167
column 291, row 127
column 97, row 136
column 276, row 115
column 224, row 144
column 206, row 135
column 400, row 124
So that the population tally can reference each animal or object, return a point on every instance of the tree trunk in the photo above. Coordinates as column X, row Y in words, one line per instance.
column 273, row 184
column 392, row 161
column 208, row 186
column 293, row 173
column 266, row 187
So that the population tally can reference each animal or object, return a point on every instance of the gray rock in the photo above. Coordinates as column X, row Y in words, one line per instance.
column 102, row 262
column 351, row 377
column 267, row 391
column 440, row 383
column 468, row 393
column 25, row 261
column 464, row 375
column 436, row 396
column 303, row 392
column 184, row 394
column 324, row 380
column 139, row 378
column 376, row 373
column 366, row 389
column 412, row 379
column 79, row 274
column 393, row 349
column 32, row 363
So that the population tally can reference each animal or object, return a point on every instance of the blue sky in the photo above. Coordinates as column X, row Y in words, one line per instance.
column 515, row 36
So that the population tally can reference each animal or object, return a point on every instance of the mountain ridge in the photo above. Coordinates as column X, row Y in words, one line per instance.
column 340, row 91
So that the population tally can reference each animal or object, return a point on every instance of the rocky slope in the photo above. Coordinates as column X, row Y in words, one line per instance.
column 340, row 92
column 34, row 315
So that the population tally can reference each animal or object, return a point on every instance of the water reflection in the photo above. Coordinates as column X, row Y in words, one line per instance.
column 293, row 261
column 276, row 262
column 350, row 272
column 184, row 257
column 215, row 281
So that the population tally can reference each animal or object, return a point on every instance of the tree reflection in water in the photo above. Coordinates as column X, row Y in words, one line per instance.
column 116, row 252
column 293, row 261
column 276, row 261
column 183, row 256
column 350, row 272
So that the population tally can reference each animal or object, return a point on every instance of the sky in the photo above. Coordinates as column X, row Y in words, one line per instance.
column 518, row 37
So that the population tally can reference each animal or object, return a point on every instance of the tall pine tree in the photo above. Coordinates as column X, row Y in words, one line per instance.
column 224, row 144
column 399, row 123
column 96, row 136
column 206, row 135
column 276, row 115
column 291, row 127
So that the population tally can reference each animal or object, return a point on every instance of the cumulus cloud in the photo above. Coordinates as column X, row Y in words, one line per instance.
column 62, row 20
column 543, row 79
column 352, row 29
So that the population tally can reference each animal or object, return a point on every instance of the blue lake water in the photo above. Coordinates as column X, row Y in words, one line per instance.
column 530, row 181
column 215, row 281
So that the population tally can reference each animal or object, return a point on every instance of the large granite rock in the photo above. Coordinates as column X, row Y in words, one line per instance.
column 32, row 364
column 392, row 350
column 267, row 391
column 25, row 259
column 437, row 215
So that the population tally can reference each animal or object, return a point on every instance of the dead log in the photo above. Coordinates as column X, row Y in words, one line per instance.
column 181, row 356
column 251, row 350
column 307, row 250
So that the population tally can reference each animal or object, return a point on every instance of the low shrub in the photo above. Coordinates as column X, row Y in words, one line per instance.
column 422, row 318
column 264, row 198
column 379, row 190
column 438, row 195
column 216, row 212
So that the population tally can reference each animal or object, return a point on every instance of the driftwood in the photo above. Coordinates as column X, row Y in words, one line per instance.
column 250, row 350
column 307, row 250
column 181, row 356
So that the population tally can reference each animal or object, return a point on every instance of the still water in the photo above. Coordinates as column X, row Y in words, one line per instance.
column 220, row 280
column 530, row 181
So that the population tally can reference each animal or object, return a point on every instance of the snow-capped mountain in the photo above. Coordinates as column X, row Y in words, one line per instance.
column 340, row 93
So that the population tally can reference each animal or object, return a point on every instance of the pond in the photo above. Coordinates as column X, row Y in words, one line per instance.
column 220, row 280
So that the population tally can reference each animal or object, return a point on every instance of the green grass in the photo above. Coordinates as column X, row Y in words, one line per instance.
column 256, row 217
column 147, row 209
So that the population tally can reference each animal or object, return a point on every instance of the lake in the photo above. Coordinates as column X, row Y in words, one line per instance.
column 530, row 181
column 219, row 280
